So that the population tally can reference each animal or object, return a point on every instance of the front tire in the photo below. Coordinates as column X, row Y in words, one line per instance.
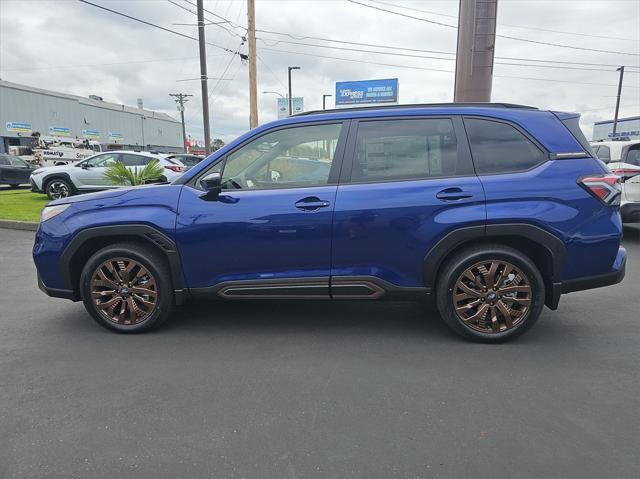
column 127, row 288
column 490, row 293
column 58, row 188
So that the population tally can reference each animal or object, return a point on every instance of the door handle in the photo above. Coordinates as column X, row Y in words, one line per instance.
column 311, row 203
column 453, row 194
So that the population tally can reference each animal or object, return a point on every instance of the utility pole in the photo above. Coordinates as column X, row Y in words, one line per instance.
column 615, row 118
column 203, row 78
column 253, row 73
column 476, row 46
column 324, row 98
column 290, row 96
column 181, row 99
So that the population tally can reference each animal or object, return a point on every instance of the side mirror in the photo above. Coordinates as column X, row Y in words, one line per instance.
column 212, row 184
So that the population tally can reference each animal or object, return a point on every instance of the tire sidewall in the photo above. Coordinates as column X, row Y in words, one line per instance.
column 156, row 267
column 456, row 267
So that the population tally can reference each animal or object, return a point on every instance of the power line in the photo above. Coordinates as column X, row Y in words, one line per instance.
column 410, row 67
column 157, row 26
column 409, row 55
column 272, row 72
column 560, row 45
column 216, row 24
column 511, row 25
column 419, row 50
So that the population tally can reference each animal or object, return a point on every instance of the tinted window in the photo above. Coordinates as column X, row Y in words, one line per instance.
column 286, row 158
column 133, row 160
column 499, row 147
column 573, row 125
column 4, row 160
column 15, row 161
column 633, row 155
column 604, row 153
column 407, row 149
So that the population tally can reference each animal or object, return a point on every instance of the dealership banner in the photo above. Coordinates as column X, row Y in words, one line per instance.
column 59, row 131
column 18, row 127
column 297, row 106
column 116, row 137
column 91, row 134
column 367, row 91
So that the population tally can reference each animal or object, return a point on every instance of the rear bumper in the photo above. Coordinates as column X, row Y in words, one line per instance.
column 57, row 293
column 630, row 212
column 615, row 276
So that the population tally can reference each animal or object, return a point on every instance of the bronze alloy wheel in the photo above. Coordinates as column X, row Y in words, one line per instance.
column 492, row 296
column 124, row 291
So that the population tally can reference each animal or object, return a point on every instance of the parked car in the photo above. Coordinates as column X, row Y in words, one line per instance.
column 14, row 171
column 493, row 210
column 186, row 159
column 88, row 175
column 623, row 158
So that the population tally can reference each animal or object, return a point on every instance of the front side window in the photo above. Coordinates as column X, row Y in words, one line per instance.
column 4, row 160
column 407, row 149
column 287, row 158
column 500, row 148
column 102, row 160
column 15, row 161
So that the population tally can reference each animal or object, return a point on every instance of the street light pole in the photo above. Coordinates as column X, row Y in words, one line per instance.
column 615, row 118
column 324, row 98
column 203, row 78
column 275, row 93
column 290, row 96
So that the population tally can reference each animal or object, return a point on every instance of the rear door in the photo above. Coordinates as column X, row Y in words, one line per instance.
column 405, row 184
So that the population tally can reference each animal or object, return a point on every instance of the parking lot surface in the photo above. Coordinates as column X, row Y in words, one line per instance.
column 316, row 390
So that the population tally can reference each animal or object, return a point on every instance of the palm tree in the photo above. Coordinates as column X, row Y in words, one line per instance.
column 118, row 174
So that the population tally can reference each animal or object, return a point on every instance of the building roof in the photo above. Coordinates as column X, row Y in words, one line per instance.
column 91, row 102
column 631, row 118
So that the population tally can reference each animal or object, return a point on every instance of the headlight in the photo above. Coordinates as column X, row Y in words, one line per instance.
column 49, row 212
column 37, row 172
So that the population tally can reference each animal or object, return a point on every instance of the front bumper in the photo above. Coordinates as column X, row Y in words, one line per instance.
column 630, row 212
column 35, row 187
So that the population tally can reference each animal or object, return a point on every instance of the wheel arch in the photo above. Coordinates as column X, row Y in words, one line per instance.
column 88, row 241
column 58, row 175
column 546, row 251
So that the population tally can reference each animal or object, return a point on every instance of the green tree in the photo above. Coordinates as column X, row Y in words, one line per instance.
column 118, row 174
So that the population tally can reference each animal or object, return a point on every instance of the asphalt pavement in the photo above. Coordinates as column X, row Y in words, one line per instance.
column 316, row 389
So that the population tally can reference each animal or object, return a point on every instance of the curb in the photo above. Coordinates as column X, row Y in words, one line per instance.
column 19, row 225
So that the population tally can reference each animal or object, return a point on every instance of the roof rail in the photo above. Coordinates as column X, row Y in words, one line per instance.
column 419, row 105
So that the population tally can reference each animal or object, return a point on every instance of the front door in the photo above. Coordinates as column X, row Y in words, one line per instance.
column 90, row 172
column 269, row 231
column 405, row 184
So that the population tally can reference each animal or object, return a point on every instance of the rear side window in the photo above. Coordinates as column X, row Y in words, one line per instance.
column 407, row 149
column 500, row 148
column 132, row 160
column 633, row 155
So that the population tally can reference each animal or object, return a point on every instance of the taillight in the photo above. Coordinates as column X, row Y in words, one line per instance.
column 604, row 187
column 175, row 168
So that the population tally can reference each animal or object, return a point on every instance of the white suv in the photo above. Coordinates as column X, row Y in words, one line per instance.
column 623, row 158
column 87, row 175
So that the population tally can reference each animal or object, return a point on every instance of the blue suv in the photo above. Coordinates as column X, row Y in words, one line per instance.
column 493, row 210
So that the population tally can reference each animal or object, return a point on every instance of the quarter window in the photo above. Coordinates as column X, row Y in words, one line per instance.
column 287, row 158
column 604, row 153
column 500, row 148
column 407, row 149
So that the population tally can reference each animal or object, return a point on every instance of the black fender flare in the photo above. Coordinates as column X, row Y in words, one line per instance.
column 145, row 232
column 436, row 256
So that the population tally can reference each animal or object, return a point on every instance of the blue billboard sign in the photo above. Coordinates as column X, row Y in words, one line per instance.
column 367, row 91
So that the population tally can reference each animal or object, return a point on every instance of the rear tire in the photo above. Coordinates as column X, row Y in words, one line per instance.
column 58, row 188
column 490, row 293
column 126, row 287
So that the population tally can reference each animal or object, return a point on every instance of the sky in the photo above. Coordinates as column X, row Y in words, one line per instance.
column 72, row 47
